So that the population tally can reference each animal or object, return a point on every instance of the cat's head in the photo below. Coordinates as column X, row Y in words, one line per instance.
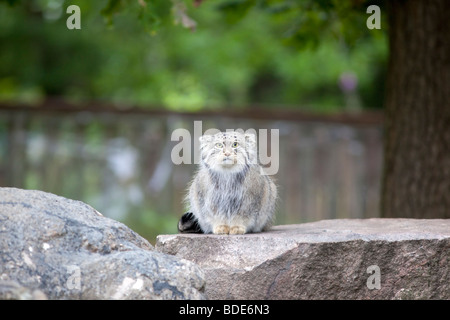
column 228, row 151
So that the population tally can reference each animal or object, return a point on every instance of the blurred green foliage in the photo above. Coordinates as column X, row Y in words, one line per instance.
column 137, row 52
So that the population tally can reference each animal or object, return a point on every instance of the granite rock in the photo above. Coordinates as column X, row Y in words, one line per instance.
column 329, row 259
column 57, row 248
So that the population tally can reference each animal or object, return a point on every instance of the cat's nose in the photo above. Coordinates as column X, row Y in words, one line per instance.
column 227, row 153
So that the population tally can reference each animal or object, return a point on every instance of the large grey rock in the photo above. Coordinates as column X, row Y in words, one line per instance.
column 56, row 248
column 330, row 259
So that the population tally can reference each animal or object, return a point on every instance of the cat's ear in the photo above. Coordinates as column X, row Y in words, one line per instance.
column 205, row 139
column 250, row 139
column 250, row 146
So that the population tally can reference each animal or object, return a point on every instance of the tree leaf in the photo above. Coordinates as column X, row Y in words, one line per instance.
column 235, row 10
column 113, row 7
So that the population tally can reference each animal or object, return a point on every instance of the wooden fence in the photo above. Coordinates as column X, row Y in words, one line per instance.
column 119, row 161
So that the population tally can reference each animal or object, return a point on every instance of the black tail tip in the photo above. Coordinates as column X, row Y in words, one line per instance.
column 188, row 224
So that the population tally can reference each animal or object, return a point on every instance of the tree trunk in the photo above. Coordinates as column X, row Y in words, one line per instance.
column 416, row 181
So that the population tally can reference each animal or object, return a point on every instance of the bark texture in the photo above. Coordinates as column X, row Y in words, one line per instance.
column 416, row 181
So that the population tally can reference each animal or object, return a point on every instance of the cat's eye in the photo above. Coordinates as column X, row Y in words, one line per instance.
column 219, row 145
column 235, row 145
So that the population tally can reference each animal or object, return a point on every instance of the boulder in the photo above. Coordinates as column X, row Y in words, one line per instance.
column 329, row 259
column 57, row 248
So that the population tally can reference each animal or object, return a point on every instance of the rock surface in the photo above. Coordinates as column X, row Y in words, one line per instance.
column 329, row 259
column 56, row 248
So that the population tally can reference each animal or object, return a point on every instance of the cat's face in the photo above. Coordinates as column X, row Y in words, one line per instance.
column 228, row 151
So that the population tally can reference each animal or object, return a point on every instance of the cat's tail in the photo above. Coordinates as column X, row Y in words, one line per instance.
column 189, row 224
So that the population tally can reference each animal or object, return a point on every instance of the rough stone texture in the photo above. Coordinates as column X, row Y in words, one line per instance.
column 11, row 290
column 56, row 248
column 323, row 260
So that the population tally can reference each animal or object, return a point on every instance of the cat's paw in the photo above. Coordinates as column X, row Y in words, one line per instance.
column 221, row 229
column 237, row 230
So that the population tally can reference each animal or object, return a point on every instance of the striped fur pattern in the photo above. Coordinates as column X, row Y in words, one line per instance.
column 228, row 194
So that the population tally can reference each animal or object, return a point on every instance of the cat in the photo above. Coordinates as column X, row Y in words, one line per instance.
column 229, row 194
